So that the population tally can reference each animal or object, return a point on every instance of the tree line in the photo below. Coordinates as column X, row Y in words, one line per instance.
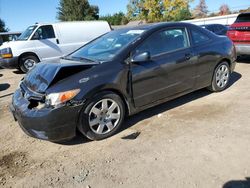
column 148, row 10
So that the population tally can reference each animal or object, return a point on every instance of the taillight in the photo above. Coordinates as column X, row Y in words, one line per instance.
column 231, row 32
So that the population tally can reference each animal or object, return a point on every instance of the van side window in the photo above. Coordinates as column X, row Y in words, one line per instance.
column 199, row 37
column 44, row 32
column 165, row 41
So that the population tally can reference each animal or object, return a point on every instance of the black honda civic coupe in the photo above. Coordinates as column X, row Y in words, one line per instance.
column 118, row 74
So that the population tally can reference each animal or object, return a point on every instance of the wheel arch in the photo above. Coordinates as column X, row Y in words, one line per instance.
column 224, row 60
column 220, row 61
column 122, row 96
column 116, row 91
column 27, row 54
column 227, row 60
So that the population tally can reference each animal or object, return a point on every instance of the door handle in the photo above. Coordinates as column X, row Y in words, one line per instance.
column 57, row 41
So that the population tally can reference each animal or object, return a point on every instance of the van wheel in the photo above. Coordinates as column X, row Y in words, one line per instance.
column 102, row 117
column 28, row 62
column 221, row 77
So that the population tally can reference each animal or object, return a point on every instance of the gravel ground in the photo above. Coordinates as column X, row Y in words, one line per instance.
column 200, row 140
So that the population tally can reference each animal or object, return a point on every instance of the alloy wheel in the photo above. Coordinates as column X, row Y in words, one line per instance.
column 222, row 76
column 104, row 116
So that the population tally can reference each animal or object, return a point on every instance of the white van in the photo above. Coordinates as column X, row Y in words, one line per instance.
column 42, row 42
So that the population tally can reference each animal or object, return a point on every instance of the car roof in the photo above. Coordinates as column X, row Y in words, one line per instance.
column 211, row 25
column 160, row 25
column 156, row 26
column 149, row 28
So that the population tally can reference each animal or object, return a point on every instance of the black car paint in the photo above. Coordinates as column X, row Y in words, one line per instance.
column 218, row 29
column 140, row 85
column 47, row 123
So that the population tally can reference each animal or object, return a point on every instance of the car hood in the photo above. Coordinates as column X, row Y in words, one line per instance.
column 46, row 74
column 10, row 44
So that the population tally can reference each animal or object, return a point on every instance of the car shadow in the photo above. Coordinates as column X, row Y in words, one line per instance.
column 18, row 72
column 1, row 75
column 174, row 103
column 235, row 76
column 243, row 59
column 3, row 96
column 4, row 86
column 78, row 139
column 132, row 120
column 238, row 183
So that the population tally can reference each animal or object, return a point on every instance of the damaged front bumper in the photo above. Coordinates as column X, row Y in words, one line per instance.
column 53, row 124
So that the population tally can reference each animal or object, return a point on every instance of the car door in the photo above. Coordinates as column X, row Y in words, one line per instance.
column 204, row 49
column 169, row 71
column 45, row 42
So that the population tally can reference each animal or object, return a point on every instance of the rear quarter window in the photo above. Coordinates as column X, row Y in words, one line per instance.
column 199, row 37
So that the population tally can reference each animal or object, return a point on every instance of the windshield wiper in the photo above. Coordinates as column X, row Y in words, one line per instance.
column 85, row 59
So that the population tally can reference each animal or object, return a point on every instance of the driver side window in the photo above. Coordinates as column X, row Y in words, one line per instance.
column 165, row 41
column 44, row 32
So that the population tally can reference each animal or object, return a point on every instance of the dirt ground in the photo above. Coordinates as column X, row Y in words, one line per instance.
column 200, row 140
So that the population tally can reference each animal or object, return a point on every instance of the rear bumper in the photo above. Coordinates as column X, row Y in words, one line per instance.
column 10, row 63
column 242, row 49
column 53, row 124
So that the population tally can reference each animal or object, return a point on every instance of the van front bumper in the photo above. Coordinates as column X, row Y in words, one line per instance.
column 53, row 124
column 242, row 49
column 9, row 63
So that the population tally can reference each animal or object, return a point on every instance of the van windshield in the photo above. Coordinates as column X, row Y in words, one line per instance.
column 243, row 18
column 107, row 46
column 26, row 34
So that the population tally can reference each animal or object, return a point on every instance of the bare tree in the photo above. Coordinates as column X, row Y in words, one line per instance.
column 224, row 9
column 200, row 10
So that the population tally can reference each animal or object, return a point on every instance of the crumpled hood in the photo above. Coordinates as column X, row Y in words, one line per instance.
column 47, row 73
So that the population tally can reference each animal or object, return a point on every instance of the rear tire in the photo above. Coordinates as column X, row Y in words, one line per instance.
column 102, row 117
column 221, row 77
column 27, row 63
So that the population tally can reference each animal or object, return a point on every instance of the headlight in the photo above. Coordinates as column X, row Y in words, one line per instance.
column 6, row 53
column 55, row 99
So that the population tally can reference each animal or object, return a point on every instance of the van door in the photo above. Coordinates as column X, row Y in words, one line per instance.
column 45, row 42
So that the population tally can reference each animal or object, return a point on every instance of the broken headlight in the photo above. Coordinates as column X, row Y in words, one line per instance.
column 55, row 99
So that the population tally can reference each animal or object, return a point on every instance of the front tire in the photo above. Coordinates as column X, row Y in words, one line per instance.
column 102, row 117
column 27, row 63
column 221, row 77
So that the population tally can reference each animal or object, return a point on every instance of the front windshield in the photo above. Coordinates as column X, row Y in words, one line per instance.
column 26, row 34
column 108, row 46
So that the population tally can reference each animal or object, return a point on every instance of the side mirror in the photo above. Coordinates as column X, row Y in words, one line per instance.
column 142, row 57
